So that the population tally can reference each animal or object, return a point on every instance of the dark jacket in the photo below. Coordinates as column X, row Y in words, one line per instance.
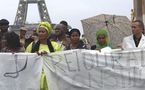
column 81, row 45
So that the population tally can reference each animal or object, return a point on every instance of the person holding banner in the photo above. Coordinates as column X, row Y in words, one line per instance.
column 43, row 45
column 137, row 39
column 75, row 42
column 102, row 41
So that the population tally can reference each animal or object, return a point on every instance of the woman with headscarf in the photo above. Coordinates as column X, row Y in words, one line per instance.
column 102, row 40
column 43, row 45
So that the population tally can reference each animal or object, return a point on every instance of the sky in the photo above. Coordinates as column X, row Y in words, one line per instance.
column 72, row 11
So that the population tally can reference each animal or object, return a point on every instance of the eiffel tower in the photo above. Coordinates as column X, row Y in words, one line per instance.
column 21, row 14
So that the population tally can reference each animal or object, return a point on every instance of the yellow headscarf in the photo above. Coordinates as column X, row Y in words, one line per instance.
column 45, row 25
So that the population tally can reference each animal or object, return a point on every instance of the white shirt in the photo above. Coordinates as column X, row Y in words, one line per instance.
column 128, row 42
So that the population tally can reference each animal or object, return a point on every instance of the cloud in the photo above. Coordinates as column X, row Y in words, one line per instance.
column 70, row 10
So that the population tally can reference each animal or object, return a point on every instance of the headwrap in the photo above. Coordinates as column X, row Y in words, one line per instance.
column 45, row 25
column 102, row 32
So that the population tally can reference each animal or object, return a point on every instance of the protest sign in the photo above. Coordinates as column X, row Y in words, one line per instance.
column 90, row 70
column 20, row 71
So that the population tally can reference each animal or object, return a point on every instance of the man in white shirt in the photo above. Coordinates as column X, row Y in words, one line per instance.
column 137, row 39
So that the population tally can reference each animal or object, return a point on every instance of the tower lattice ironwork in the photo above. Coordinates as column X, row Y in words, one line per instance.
column 21, row 14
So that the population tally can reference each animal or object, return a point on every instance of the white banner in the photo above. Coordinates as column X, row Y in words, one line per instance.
column 20, row 71
column 88, row 70
column 74, row 70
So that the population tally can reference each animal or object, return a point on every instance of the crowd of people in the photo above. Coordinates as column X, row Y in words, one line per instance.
column 44, row 39
column 60, row 37
column 48, row 39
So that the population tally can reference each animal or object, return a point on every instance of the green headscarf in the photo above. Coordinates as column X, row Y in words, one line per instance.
column 102, row 32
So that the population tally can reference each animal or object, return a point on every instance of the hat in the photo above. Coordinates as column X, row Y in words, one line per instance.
column 23, row 28
column 4, row 22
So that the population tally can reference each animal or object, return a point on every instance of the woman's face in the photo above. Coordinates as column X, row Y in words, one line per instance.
column 75, row 37
column 101, row 39
column 42, row 33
